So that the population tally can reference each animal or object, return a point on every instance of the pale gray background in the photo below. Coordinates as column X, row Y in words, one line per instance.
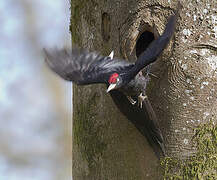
column 35, row 105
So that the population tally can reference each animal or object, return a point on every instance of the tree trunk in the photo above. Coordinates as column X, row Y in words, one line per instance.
column 105, row 144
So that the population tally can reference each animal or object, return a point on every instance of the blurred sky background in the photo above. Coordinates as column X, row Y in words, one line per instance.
column 35, row 104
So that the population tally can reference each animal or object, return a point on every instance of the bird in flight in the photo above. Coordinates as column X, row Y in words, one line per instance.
column 124, row 80
column 83, row 67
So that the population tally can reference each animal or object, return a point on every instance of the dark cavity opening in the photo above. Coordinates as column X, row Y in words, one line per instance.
column 143, row 42
column 106, row 26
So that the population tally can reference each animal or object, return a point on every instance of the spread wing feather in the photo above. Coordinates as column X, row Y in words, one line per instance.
column 157, row 46
column 83, row 67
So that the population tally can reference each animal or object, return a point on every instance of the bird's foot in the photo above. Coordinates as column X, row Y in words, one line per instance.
column 141, row 98
column 132, row 101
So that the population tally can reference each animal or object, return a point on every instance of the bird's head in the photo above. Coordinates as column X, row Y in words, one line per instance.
column 115, row 82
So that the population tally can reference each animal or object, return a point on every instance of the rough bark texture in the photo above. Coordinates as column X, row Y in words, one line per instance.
column 105, row 144
column 188, row 85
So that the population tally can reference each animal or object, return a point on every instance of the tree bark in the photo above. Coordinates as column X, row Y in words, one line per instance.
column 105, row 144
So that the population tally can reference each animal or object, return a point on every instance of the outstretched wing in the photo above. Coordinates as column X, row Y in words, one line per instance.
column 83, row 67
column 157, row 46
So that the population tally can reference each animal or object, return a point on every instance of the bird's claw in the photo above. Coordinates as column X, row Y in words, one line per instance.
column 141, row 98
column 132, row 101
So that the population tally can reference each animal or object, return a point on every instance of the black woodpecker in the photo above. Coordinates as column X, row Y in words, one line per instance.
column 83, row 67
column 125, row 80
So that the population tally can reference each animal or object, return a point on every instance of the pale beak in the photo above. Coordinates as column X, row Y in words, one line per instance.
column 111, row 86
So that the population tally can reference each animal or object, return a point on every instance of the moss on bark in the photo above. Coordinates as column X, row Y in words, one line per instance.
column 78, row 7
column 105, row 145
column 88, row 135
column 203, row 164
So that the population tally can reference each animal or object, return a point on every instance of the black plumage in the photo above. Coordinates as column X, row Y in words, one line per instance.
column 83, row 67
column 144, row 119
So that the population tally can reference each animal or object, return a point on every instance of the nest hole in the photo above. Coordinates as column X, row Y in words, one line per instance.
column 143, row 42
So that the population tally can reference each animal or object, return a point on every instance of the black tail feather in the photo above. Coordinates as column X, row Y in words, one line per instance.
column 144, row 120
